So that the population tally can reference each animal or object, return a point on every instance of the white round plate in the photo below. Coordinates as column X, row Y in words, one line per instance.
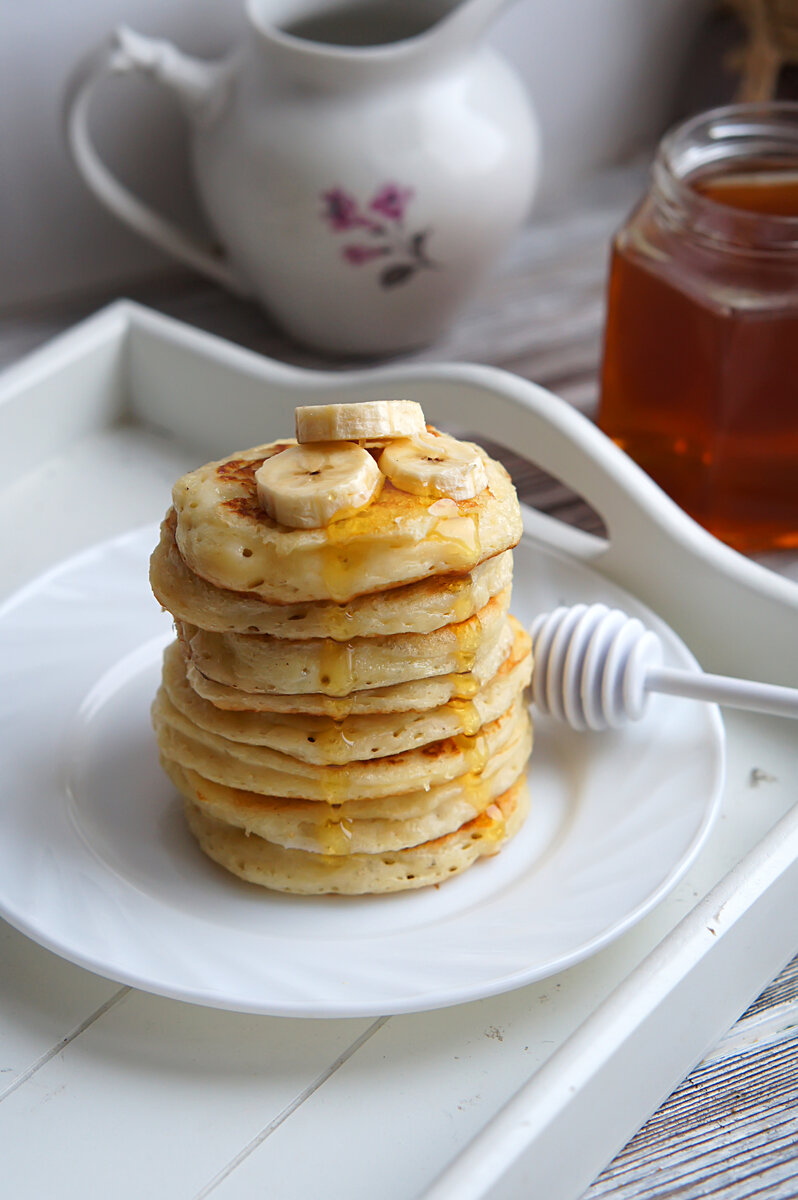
column 96, row 864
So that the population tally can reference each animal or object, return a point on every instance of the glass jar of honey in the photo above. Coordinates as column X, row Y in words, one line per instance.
column 700, row 374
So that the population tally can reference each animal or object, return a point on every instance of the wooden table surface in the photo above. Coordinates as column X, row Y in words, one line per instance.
column 731, row 1129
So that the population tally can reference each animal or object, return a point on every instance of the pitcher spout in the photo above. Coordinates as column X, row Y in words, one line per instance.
column 354, row 34
column 199, row 86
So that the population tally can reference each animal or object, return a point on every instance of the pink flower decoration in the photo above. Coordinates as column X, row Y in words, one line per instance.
column 342, row 211
column 363, row 254
column 391, row 201
column 382, row 220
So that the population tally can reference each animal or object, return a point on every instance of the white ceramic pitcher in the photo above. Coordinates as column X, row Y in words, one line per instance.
column 361, row 161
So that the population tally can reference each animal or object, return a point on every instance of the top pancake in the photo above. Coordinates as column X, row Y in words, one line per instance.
column 225, row 537
column 420, row 607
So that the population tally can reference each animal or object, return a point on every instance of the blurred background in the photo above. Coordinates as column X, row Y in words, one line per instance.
column 606, row 78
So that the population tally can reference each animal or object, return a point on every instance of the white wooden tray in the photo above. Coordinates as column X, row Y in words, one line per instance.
column 93, row 431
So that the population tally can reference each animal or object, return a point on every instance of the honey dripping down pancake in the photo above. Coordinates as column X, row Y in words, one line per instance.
column 374, row 735
column 414, row 696
column 358, row 826
column 273, row 773
column 224, row 535
column 343, row 710
column 338, row 668
column 412, row 608
column 304, row 873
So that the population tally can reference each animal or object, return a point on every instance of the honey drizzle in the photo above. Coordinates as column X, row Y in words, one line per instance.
column 341, row 565
column 345, row 553
column 337, row 708
column 337, row 622
column 467, row 714
column 346, row 550
column 464, row 686
column 335, row 834
column 336, row 667
column 474, row 748
column 334, row 743
column 469, row 638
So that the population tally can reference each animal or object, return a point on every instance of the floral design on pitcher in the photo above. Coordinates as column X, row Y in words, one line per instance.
column 382, row 222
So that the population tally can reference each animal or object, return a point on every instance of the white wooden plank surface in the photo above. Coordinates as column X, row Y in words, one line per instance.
column 37, row 1020
column 161, row 1090
column 246, row 1097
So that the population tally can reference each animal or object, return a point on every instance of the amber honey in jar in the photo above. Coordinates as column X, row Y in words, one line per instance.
column 700, row 374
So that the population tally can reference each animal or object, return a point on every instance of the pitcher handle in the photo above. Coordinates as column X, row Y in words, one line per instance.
column 124, row 53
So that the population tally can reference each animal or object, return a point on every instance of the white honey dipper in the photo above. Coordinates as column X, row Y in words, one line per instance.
column 595, row 667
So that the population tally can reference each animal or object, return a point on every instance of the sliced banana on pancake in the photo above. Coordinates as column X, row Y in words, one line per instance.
column 434, row 464
column 304, row 487
column 370, row 420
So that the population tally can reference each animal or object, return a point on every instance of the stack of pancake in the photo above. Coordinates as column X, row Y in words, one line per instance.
column 343, row 707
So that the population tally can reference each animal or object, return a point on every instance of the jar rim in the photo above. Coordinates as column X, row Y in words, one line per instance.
column 721, row 136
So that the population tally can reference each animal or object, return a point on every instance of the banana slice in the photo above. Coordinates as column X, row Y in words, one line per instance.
column 305, row 486
column 371, row 420
column 434, row 464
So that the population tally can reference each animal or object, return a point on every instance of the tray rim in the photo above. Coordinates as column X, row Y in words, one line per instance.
column 636, row 511
column 765, row 872
column 115, row 322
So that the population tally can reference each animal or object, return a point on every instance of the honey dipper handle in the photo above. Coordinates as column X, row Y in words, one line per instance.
column 722, row 689
column 595, row 668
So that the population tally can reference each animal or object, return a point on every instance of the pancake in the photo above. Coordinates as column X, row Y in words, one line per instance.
column 417, row 695
column 414, row 608
column 357, row 826
column 225, row 537
column 343, row 709
column 262, row 663
column 322, row 740
column 297, row 871
column 270, row 773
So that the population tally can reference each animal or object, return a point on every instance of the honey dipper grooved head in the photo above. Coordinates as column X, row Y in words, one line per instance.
column 590, row 665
